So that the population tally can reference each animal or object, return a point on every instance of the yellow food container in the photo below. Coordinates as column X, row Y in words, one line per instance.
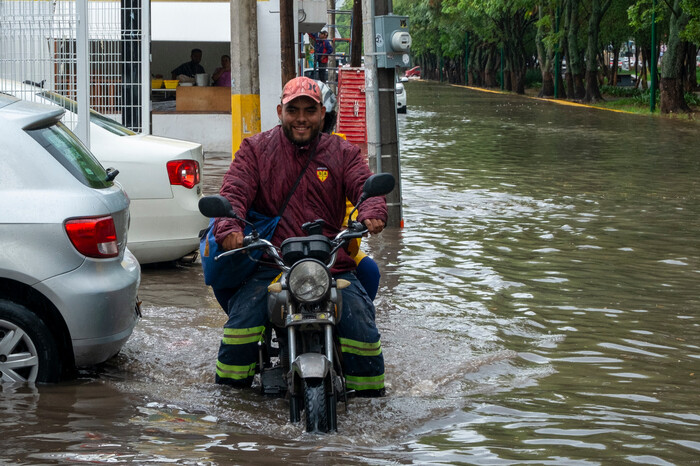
column 156, row 83
column 171, row 83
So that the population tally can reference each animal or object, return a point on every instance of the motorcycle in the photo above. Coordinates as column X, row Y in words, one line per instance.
column 302, row 359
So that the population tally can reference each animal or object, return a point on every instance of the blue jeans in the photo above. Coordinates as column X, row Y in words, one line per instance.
column 363, row 361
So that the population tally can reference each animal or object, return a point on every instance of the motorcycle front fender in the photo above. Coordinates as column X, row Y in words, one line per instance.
column 311, row 365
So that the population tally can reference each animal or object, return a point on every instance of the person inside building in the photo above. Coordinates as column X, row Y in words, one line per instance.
column 222, row 75
column 262, row 171
column 322, row 51
column 190, row 68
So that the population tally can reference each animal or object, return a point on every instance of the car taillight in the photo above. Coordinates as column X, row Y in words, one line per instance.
column 184, row 173
column 93, row 236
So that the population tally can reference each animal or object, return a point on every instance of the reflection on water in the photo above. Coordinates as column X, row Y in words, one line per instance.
column 539, row 306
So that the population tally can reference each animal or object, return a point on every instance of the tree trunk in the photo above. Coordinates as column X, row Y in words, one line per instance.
column 579, row 87
column 672, row 96
column 612, row 81
column 691, row 82
column 477, row 67
column 519, row 84
column 489, row 70
column 592, row 88
column 642, row 76
column 471, row 68
column 574, row 61
column 547, row 85
column 563, row 51
column 544, row 56
column 672, row 70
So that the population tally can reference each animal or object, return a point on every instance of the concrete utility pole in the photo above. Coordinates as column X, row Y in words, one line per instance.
column 82, row 129
column 287, row 40
column 245, row 82
column 382, row 129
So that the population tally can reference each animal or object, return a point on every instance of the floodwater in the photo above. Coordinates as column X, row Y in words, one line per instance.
column 541, row 305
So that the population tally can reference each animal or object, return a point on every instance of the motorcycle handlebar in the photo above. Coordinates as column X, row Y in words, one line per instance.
column 253, row 241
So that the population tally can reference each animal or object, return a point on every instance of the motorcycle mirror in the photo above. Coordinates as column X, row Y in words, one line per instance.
column 216, row 206
column 376, row 185
column 379, row 185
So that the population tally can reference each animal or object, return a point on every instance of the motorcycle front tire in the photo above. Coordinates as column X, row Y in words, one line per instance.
column 317, row 410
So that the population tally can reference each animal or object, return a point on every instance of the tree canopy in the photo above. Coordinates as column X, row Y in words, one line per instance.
column 463, row 41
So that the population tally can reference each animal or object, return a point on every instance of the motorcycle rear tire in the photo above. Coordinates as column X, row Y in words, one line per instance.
column 316, row 406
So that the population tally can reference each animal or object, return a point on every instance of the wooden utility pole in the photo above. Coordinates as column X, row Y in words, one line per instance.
column 245, row 82
column 332, row 34
column 287, row 40
column 356, row 35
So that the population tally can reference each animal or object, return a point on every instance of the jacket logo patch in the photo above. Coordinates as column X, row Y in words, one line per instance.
column 322, row 173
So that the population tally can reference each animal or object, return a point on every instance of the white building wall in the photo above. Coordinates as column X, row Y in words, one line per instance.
column 198, row 23
column 269, row 61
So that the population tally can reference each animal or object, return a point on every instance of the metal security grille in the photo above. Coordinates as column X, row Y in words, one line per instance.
column 39, row 49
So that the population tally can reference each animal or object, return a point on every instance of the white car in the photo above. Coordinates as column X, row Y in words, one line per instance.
column 161, row 176
column 400, row 98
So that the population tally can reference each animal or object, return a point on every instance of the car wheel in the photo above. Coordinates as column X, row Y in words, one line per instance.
column 28, row 351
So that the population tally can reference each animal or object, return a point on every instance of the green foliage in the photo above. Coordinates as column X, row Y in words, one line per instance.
column 621, row 91
column 425, row 24
column 439, row 28
column 692, row 30
column 627, row 96
column 533, row 78
column 615, row 28
column 639, row 14
column 692, row 99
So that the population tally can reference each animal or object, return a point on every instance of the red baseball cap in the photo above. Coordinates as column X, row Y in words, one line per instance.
column 300, row 87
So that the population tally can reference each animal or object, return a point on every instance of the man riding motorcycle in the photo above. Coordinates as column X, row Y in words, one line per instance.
column 260, row 176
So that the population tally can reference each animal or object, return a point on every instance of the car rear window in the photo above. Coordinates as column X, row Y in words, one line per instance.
column 72, row 154
column 97, row 118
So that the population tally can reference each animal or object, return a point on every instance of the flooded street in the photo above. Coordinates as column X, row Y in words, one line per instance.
column 540, row 306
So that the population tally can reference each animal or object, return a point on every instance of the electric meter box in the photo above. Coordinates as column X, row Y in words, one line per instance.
column 312, row 15
column 392, row 41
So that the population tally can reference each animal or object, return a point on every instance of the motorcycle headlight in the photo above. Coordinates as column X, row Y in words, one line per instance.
column 309, row 281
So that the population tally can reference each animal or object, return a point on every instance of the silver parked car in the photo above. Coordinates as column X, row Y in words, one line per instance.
column 68, row 284
column 160, row 175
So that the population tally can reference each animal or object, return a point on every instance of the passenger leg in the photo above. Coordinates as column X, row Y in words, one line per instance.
column 368, row 273
column 363, row 360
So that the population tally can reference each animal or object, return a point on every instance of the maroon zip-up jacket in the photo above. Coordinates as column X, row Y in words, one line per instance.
column 265, row 169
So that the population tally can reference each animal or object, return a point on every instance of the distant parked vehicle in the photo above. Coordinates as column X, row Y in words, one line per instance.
column 68, row 283
column 400, row 98
column 414, row 72
column 162, row 177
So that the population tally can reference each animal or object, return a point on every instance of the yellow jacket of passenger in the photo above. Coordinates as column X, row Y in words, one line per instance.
column 354, row 245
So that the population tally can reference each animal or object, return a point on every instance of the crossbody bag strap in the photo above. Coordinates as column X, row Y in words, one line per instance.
column 312, row 152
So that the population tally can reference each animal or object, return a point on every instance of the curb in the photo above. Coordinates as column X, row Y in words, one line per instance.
column 555, row 101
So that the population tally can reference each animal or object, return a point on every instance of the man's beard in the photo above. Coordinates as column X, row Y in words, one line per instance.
column 298, row 142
